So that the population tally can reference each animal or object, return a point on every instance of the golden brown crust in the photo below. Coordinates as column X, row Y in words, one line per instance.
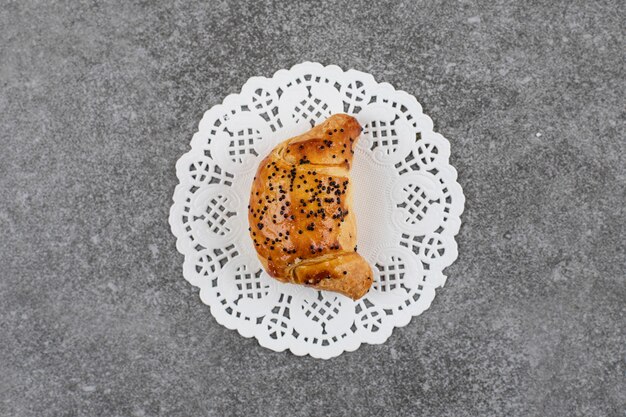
column 347, row 273
column 301, row 221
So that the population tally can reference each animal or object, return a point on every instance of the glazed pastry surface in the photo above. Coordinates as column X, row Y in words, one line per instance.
column 300, row 213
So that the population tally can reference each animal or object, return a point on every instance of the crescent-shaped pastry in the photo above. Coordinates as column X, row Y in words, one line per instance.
column 300, row 213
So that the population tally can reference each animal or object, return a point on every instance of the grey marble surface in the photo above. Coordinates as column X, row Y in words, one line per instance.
column 99, row 99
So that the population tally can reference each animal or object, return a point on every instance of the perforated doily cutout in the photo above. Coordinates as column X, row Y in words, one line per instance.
column 406, row 199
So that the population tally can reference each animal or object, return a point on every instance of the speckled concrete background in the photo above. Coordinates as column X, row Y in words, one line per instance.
column 98, row 101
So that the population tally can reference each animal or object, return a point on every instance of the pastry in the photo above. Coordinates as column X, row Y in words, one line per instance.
column 300, row 213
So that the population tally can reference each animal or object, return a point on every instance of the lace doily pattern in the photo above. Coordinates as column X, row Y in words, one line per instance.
column 407, row 203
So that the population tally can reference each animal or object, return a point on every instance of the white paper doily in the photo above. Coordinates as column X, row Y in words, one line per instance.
column 406, row 199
